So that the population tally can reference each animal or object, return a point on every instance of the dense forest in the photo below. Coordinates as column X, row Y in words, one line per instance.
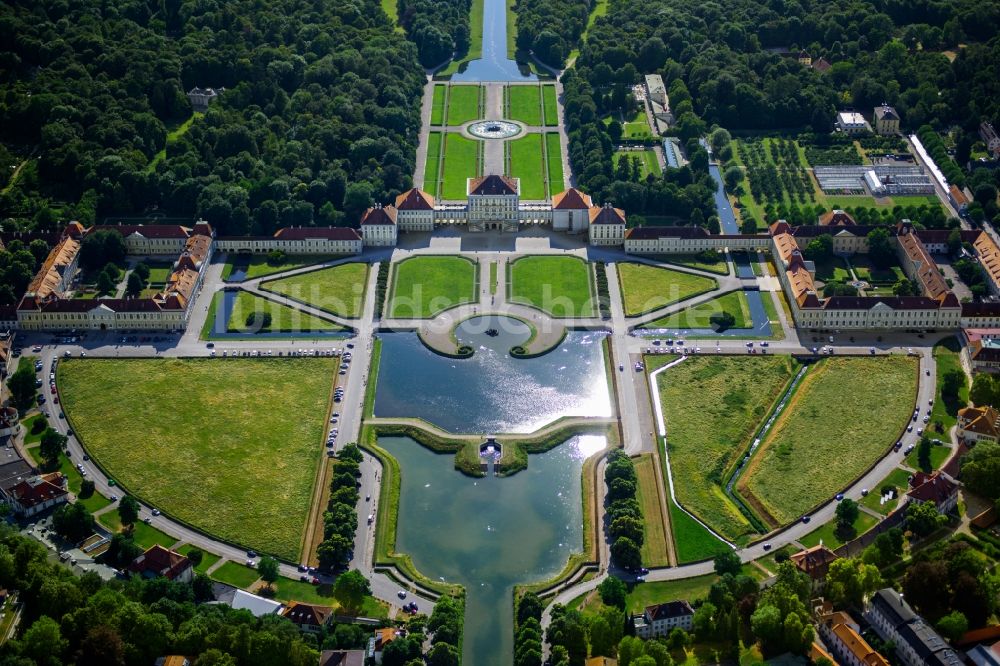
column 551, row 41
column 439, row 29
column 729, row 57
column 319, row 118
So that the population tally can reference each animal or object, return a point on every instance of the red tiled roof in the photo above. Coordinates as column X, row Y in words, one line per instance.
column 572, row 199
column 931, row 487
column 147, row 230
column 492, row 185
column 35, row 491
column 868, row 302
column 317, row 233
column 670, row 609
column 382, row 216
column 836, row 218
column 160, row 561
column 814, row 561
column 414, row 199
column 307, row 614
column 607, row 215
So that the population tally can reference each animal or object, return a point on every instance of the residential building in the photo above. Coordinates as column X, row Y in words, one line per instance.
column 8, row 421
column 659, row 620
column 143, row 239
column 56, row 274
column 936, row 487
column 36, row 494
column 990, row 138
column 821, row 65
column 258, row 606
column 493, row 203
column 13, row 473
column 817, row 652
column 378, row 226
column 659, row 102
column 200, row 98
column 917, row 643
column 840, row 633
column 415, row 211
column 852, row 123
column 886, row 120
column 978, row 424
column 308, row 617
column 607, row 225
column 381, row 639
column 159, row 561
column 571, row 211
column 804, row 58
column 815, row 562
column 342, row 658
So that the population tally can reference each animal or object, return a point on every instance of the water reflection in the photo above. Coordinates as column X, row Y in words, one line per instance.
column 492, row 392
column 491, row 533
column 494, row 65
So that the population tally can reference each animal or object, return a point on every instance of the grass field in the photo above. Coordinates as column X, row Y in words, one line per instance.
column 461, row 161
column 711, row 262
column 145, row 536
column 237, row 458
column 437, row 104
column 235, row 574
column 844, row 415
column 463, row 104
column 645, row 288
column 283, row 318
column 898, row 478
column 339, row 290
column 424, row 286
column 692, row 541
column 828, row 532
column 939, row 453
column 207, row 559
column 553, row 151
column 654, row 548
column 524, row 104
column 649, row 163
column 550, row 105
column 432, row 165
column 288, row 589
column 647, row 594
column 258, row 266
column 74, row 481
column 557, row 285
column 946, row 356
column 527, row 163
column 699, row 316
column 712, row 406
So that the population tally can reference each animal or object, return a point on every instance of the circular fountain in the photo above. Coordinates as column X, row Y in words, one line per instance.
column 494, row 129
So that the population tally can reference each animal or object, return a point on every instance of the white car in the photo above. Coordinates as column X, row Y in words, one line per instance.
column 401, row 594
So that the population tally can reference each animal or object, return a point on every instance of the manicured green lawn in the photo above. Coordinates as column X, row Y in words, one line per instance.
column 946, row 356
column 31, row 437
column 832, row 269
column 424, row 286
column 712, row 262
column 647, row 594
column 283, row 318
column 437, row 105
column 550, row 105
column 74, row 481
column 525, row 104
column 527, row 163
column 649, row 163
column 898, row 478
column 432, row 166
column 939, row 453
column 463, row 104
column 288, row 589
column 227, row 445
column 692, row 541
column 885, row 276
column 257, row 265
column 237, row 575
column 461, row 161
column 339, row 290
column 712, row 407
column 145, row 536
column 207, row 559
column 699, row 316
column 828, row 532
column 654, row 547
column 645, row 288
column 557, row 285
column 553, row 151
column 844, row 415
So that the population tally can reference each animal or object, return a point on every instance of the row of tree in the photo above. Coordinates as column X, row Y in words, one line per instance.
column 624, row 515
column 340, row 520
column 528, row 631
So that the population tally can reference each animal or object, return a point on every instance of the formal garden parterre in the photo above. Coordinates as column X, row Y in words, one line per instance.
column 645, row 288
column 339, row 290
column 558, row 285
column 423, row 286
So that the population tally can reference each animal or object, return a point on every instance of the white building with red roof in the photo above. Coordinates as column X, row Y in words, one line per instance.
column 415, row 211
column 571, row 211
column 607, row 225
column 32, row 496
column 159, row 561
column 378, row 226
column 494, row 203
